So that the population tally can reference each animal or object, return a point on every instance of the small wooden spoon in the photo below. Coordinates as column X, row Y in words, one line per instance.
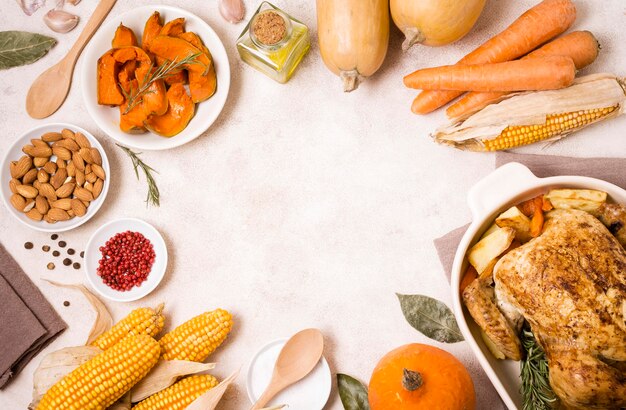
column 49, row 90
column 297, row 358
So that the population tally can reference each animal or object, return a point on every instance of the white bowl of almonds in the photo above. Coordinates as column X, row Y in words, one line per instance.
column 54, row 177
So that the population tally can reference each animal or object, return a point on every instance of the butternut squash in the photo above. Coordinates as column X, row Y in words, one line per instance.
column 123, row 37
column 434, row 22
column 179, row 112
column 353, row 37
column 201, row 86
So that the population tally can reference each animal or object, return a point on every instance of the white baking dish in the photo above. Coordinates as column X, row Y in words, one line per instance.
column 506, row 186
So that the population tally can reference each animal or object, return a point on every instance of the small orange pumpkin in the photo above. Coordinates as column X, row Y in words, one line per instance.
column 417, row 376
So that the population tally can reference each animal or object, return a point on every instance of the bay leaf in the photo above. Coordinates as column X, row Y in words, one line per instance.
column 21, row 47
column 431, row 317
column 352, row 392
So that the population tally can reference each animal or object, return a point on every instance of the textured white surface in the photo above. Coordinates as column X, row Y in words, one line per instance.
column 302, row 206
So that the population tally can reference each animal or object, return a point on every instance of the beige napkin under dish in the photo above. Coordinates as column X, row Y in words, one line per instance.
column 27, row 321
column 612, row 170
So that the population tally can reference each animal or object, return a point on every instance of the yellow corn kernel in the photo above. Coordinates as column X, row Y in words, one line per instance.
column 179, row 395
column 555, row 125
column 197, row 338
column 142, row 321
column 101, row 381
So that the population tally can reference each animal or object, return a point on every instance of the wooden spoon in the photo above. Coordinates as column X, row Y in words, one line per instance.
column 49, row 90
column 297, row 358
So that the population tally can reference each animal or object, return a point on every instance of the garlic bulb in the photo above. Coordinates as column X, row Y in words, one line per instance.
column 60, row 21
column 232, row 10
column 30, row 6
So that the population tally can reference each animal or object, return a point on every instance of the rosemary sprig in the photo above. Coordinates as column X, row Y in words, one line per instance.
column 153, row 197
column 134, row 97
column 536, row 391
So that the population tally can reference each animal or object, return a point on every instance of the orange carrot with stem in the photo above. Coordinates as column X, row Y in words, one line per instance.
column 581, row 46
column 541, row 23
column 545, row 73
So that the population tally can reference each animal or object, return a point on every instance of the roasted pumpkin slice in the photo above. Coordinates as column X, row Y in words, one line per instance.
column 151, row 30
column 132, row 121
column 109, row 92
column 124, row 37
column 174, row 27
column 202, row 86
column 154, row 100
column 176, row 49
column 143, row 61
column 126, row 75
column 176, row 77
column 179, row 112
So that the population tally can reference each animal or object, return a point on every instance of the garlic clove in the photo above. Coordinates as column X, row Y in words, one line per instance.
column 232, row 10
column 30, row 6
column 60, row 21
column 73, row 2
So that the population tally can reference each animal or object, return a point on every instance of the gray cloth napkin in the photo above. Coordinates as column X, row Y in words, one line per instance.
column 27, row 321
column 612, row 170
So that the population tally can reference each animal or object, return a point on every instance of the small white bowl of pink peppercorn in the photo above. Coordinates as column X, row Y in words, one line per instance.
column 125, row 259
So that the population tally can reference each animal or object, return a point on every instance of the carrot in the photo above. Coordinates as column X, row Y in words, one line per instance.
column 545, row 73
column 541, row 23
column 536, row 223
column 581, row 46
column 468, row 277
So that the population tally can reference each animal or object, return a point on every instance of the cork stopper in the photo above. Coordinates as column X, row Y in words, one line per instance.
column 269, row 28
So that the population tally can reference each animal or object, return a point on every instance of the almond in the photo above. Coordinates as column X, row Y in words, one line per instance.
column 83, row 194
column 97, row 188
column 96, row 157
column 39, row 143
column 62, row 153
column 91, row 177
column 41, row 204
column 42, row 175
column 48, row 191
column 71, row 169
column 40, row 151
column 78, row 161
column 48, row 219
column 85, row 153
column 30, row 204
column 52, row 136
column 36, row 184
column 18, row 202
column 58, row 178
column 34, row 214
column 87, row 169
column 65, row 190
column 67, row 143
column 50, row 167
column 13, row 183
column 61, row 163
column 82, row 140
column 58, row 214
column 20, row 167
column 99, row 171
column 78, row 207
column 71, row 213
column 27, row 191
column 29, row 177
column 88, row 186
column 80, row 178
column 65, row 204
column 67, row 133
column 40, row 161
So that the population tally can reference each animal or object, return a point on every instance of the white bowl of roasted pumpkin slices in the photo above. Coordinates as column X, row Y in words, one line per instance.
column 155, row 77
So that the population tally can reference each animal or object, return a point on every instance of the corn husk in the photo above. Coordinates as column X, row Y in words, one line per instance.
column 164, row 374
column 210, row 399
column 103, row 321
column 56, row 365
column 531, row 108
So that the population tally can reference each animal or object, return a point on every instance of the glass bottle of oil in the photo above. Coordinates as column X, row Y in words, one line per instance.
column 274, row 42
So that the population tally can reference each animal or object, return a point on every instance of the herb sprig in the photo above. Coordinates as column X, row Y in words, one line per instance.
column 135, row 96
column 153, row 197
column 536, row 391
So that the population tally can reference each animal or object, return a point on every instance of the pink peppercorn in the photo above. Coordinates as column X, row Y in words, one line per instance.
column 127, row 259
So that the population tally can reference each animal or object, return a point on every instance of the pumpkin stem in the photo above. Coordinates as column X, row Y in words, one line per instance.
column 413, row 36
column 411, row 380
column 351, row 80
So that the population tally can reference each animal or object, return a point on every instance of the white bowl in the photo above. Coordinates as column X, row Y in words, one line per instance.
column 107, row 118
column 15, row 152
column 310, row 393
column 503, row 188
column 93, row 256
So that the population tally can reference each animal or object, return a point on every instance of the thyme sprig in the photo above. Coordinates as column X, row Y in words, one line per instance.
column 153, row 197
column 135, row 96
column 536, row 391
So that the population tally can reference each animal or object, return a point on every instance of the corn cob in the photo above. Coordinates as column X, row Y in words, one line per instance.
column 99, row 382
column 179, row 395
column 538, row 116
column 197, row 338
column 142, row 321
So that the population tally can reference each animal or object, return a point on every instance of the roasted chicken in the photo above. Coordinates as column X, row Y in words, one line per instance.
column 569, row 284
